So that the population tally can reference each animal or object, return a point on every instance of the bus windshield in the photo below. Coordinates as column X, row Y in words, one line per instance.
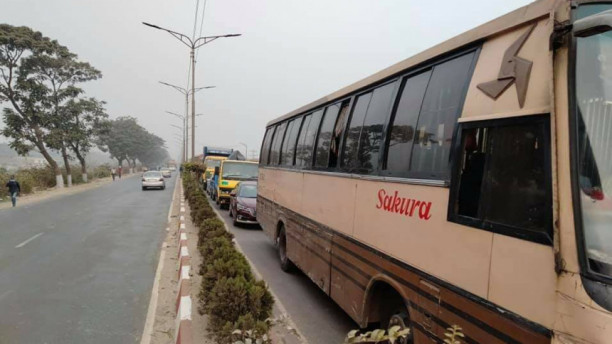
column 240, row 170
column 594, row 118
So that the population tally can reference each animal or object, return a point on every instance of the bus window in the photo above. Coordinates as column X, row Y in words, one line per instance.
column 504, row 181
column 303, row 154
column 265, row 147
column 276, row 143
column 364, row 136
column 288, row 148
column 325, row 135
column 334, row 148
column 404, row 124
column 370, row 140
column 441, row 106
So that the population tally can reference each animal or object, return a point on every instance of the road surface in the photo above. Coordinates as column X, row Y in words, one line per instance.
column 80, row 268
column 318, row 318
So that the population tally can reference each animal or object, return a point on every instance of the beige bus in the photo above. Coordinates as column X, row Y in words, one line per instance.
column 470, row 184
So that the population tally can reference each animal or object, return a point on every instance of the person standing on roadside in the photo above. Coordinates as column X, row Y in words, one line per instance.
column 14, row 189
column 113, row 173
column 119, row 172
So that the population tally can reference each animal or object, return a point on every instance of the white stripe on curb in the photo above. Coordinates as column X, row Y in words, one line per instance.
column 182, row 226
column 184, row 251
column 183, row 236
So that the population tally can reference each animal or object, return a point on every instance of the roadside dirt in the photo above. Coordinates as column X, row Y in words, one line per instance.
column 53, row 193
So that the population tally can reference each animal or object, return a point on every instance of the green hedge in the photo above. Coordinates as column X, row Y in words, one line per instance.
column 229, row 293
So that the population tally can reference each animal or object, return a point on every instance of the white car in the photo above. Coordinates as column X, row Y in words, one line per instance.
column 166, row 173
column 153, row 179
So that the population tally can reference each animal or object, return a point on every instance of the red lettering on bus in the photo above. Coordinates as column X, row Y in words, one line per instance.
column 402, row 205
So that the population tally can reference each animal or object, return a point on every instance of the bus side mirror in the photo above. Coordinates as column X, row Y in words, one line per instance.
column 217, row 171
column 593, row 25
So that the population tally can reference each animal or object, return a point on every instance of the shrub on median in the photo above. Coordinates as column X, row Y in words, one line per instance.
column 229, row 292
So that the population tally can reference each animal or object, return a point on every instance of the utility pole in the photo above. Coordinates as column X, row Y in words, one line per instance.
column 193, row 45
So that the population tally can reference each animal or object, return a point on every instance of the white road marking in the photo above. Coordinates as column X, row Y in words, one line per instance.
column 27, row 241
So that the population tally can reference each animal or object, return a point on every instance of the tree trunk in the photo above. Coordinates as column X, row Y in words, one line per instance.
column 133, row 166
column 59, row 181
column 67, row 165
column 83, row 166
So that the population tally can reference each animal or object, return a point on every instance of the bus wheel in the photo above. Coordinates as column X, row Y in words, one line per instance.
column 281, row 241
column 403, row 321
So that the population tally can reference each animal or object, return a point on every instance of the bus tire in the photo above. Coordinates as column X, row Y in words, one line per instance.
column 285, row 264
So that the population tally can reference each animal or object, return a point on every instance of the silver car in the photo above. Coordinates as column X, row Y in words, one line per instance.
column 153, row 179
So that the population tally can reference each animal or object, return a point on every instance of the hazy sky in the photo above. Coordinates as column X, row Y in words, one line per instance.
column 291, row 53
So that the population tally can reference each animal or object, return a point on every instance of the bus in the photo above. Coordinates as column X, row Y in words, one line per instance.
column 212, row 158
column 469, row 185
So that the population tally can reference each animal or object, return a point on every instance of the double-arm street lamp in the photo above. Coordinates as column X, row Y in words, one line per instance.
column 185, row 118
column 193, row 45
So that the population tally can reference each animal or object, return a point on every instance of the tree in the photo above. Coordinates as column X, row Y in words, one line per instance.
column 127, row 140
column 58, row 73
column 26, row 123
column 86, row 122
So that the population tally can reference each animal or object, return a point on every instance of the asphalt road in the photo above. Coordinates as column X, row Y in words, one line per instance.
column 318, row 318
column 80, row 268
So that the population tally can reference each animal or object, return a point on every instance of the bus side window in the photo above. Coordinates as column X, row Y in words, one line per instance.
column 288, row 148
column 334, row 147
column 304, row 152
column 325, row 135
column 265, row 146
column 502, row 179
column 276, row 143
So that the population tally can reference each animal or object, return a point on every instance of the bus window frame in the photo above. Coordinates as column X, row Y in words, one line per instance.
column 540, row 237
column 596, row 285
column 418, row 175
column 379, row 173
column 376, row 171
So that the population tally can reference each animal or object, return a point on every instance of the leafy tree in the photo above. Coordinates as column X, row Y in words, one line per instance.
column 58, row 74
column 86, row 122
column 26, row 123
column 127, row 141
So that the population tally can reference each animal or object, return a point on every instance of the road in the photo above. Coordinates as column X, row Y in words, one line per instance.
column 80, row 268
column 318, row 318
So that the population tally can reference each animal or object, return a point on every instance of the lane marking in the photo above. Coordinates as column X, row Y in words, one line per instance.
column 27, row 241
column 147, row 332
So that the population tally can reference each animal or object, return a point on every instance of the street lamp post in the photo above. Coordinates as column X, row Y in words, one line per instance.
column 186, row 92
column 193, row 45
column 246, row 150
column 185, row 138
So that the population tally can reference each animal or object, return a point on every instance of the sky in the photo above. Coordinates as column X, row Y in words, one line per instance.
column 291, row 52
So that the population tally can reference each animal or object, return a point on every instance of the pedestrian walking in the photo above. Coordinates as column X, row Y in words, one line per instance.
column 119, row 171
column 113, row 173
column 14, row 189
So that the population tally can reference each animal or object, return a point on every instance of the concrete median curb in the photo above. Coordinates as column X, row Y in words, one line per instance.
column 183, row 327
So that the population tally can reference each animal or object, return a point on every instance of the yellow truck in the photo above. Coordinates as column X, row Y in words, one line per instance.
column 227, row 176
column 212, row 158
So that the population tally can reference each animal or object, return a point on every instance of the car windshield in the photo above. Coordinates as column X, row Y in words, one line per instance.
column 151, row 175
column 240, row 170
column 212, row 163
column 248, row 191
column 594, row 115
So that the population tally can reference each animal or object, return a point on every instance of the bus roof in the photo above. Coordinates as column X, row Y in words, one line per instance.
column 508, row 21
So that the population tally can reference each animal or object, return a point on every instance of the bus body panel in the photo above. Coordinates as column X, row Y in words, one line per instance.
column 535, row 49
